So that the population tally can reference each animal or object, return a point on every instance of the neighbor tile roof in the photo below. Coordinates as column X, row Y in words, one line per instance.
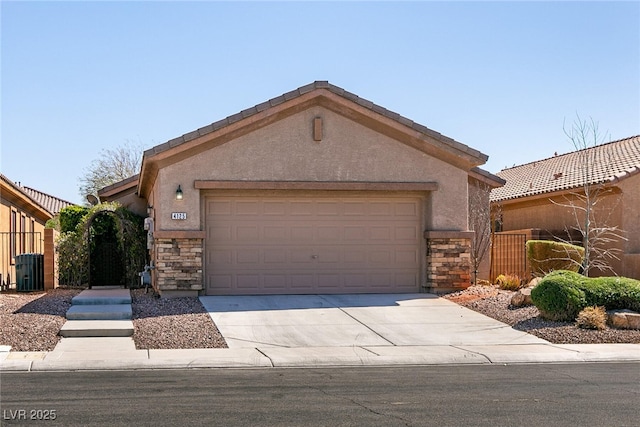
column 301, row 91
column 50, row 203
column 608, row 162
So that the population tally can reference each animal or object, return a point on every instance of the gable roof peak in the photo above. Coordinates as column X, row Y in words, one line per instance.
column 327, row 95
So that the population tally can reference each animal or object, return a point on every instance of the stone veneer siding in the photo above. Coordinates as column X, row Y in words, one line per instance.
column 448, row 261
column 178, row 264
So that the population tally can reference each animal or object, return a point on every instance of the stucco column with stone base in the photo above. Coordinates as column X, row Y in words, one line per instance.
column 448, row 261
column 178, row 265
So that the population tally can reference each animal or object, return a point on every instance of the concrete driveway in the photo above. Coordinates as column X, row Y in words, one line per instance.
column 377, row 320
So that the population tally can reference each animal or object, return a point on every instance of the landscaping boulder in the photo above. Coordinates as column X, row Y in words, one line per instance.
column 522, row 298
column 623, row 319
column 534, row 282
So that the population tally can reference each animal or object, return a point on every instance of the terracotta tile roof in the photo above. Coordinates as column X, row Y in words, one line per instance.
column 609, row 162
column 301, row 91
column 50, row 203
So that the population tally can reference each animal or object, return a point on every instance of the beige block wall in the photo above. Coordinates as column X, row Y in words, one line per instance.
column 286, row 151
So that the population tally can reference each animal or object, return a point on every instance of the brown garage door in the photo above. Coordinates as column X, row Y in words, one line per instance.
column 281, row 244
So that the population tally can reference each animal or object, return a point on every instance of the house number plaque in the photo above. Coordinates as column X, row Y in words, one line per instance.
column 178, row 215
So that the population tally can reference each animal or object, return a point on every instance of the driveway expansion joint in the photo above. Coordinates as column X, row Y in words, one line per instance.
column 265, row 355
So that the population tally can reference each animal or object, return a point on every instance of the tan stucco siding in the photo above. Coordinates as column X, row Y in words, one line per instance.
column 286, row 151
column 557, row 214
column 631, row 212
column 544, row 215
column 631, row 225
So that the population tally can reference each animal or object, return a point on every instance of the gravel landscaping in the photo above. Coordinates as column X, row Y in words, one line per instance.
column 31, row 321
column 496, row 303
column 172, row 323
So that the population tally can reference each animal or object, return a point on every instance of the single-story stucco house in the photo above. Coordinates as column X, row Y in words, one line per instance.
column 542, row 199
column 314, row 191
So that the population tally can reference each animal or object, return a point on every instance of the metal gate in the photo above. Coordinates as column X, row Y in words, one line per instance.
column 106, row 257
column 509, row 255
column 106, row 265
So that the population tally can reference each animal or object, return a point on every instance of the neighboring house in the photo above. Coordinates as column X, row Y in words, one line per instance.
column 537, row 197
column 23, row 215
column 315, row 191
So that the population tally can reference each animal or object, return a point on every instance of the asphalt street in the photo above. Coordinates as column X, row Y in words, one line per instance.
column 489, row 395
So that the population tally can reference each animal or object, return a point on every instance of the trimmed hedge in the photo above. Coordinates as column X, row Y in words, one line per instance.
column 71, row 216
column 561, row 295
column 545, row 256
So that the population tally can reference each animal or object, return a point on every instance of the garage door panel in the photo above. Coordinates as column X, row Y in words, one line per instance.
column 277, row 233
column 380, row 208
column 355, row 233
column 302, row 255
column 302, row 233
column 247, row 233
column 355, row 256
column 274, row 208
column 248, row 256
column 354, row 208
column 329, row 234
column 380, row 233
column 301, row 208
column 407, row 209
column 302, row 282
column 280, row 244
column 275, row 282
column 220, row 283
column 328, row 255
column 220, row 257
column 276, row 256
column 407, row 257
column 330, row 208
column 248, row 208
column 220, row 233
column 248, row 281
column 406, row 233
column 329, row 282
column 381, row 256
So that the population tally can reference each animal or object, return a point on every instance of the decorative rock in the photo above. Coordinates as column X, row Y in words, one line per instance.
column 623, row 319
column 522, row 298
column 534, row 282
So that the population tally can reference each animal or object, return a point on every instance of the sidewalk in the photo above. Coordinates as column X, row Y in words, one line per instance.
column 120, row 354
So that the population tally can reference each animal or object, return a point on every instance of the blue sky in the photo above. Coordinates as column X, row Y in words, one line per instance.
column 501, row 77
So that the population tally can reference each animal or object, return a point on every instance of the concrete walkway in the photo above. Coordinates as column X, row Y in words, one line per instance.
column 326, row 330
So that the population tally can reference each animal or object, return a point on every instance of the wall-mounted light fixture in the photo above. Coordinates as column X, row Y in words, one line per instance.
column 179, row 193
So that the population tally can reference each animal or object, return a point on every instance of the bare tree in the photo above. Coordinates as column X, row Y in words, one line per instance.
column 593, row 205
column 479, row 223
column 112, row 166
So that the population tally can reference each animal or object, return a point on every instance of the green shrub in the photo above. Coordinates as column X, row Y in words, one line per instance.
column 592, row 318
column 71, row 216
column 509, row 282
column 545, row 256
column 558, row 297
column 561, row 295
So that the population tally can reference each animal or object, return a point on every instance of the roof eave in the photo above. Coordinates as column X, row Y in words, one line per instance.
column 14, row 194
